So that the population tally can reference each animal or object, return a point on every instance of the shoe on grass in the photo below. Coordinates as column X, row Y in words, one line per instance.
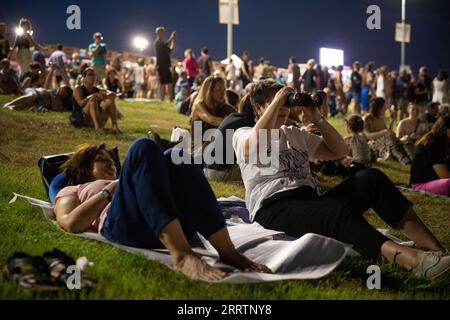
column 432, row 266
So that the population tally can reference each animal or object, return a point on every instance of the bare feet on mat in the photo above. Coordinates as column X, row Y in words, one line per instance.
column 193, row 267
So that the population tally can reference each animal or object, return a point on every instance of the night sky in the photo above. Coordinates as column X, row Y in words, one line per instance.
column 275, row 29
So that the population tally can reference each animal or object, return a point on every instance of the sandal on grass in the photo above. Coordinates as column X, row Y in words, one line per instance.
column 31, row 273
column 58, row 262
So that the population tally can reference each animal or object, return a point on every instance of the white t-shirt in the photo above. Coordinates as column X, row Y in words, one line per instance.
column 296, row 149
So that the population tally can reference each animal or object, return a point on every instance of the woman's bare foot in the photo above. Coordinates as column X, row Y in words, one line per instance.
column 194, row 267
column 238, row 260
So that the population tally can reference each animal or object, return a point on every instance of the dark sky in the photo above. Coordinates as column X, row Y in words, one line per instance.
column 275, row 29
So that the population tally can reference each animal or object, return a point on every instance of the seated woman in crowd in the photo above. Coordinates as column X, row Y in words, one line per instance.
column 35, row 78
column 430, row 170
column 220, row 169
column 148, row 207
column 44, row 99
column 97, row 105
column 284, row 197
column 382, row 140
column 411, row 129
column 210, row 106
column 9, row 83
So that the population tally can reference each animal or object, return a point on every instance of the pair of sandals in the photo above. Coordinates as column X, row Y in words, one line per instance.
column 42, row 273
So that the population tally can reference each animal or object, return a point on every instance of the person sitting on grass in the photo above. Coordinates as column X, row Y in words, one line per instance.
column 411, row 129
column 9, row 83
column 149, row 206
column 359, row 156
column 430, row 170
column 44, row 99
column 97, row 105
column 284, row 197
column 210, row 106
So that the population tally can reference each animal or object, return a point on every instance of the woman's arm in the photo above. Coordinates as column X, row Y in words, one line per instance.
column 82, row 100
column 333, row 146
column 441, row 170
column 76, row 217
column 199, row 111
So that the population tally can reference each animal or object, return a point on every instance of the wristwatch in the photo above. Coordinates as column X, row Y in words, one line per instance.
column 106, row 194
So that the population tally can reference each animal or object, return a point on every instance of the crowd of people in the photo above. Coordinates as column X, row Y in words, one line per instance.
column 244, row 98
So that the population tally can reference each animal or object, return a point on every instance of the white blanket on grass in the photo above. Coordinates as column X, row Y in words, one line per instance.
column 309, row 257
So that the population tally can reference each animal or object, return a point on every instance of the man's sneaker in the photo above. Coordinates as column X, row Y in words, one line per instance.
column 432, row 266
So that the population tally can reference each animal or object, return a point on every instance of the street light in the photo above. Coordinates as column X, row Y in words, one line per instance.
column 140, row 43
column 403, row 48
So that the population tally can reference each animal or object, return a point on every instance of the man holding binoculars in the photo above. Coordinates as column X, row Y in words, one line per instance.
column 287, row 199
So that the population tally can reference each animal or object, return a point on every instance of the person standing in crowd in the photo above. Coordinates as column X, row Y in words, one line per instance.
column 190, row 65
column 339, row 90
column 38, row 56
column 382, row 84
column 258, row 75
column 405, row 93
column 205, row 63
column 422, row 90
column 152, row 79
column 430, row 170
column 58, row 57
column 367, row 84
column 139, row 79
column 294, row 74
column 356, row 87
column 441, row 88
column 24, row 42
column 310, row 77
column 98, row 51
column 231, row 74
column 246, row 70
column 4, row 41
column 324, row 77
column 163, row 62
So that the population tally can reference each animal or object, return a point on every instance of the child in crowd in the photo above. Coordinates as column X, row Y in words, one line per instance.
column 359, row 156
column 181, row 96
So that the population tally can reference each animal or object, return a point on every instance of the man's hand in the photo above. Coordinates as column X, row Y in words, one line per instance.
column 312, row 114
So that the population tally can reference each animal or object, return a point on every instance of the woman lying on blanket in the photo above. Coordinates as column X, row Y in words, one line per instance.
column 286, row 198
column 149, row 206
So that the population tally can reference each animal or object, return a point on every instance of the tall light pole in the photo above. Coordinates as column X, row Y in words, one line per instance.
column 230, row 30
column 403, row 44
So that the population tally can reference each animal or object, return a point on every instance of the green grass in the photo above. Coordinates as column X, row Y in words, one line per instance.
column 26, row 136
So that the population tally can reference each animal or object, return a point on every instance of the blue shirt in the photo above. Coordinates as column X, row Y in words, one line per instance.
column 101, row 58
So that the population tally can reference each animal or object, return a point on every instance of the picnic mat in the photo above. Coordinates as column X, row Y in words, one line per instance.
column 309, row 257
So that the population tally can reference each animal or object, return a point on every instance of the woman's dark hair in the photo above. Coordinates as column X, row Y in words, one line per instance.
column 78, row 168
column 375, row 106
column 355, row 123
column 439, row 130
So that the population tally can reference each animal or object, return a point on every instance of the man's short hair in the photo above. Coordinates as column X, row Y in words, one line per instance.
column 205, row 50
column 263, row 90
column 98, row 35
column 59, row 46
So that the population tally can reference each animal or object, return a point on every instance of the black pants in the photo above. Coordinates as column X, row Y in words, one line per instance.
column 338, row 213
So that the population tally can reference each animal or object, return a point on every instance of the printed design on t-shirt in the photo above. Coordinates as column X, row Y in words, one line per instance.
column 294, row 164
